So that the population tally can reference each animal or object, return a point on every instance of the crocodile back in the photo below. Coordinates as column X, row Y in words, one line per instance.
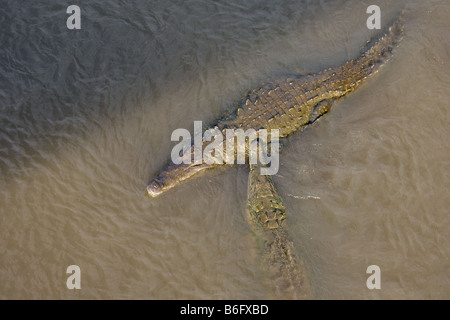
column 288, row 104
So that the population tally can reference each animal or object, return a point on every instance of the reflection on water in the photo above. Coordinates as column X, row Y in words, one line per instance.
column 85, row 123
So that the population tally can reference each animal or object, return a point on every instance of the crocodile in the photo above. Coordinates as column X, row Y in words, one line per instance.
column 289, row 104
column 266, row 212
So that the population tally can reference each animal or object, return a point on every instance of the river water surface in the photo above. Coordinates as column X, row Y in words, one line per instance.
column 85, row 123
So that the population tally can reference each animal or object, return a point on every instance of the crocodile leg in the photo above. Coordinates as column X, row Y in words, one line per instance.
column 320, row 109
column 266, row 213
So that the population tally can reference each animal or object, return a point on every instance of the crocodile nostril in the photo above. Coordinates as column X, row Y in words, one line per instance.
column 154, row 189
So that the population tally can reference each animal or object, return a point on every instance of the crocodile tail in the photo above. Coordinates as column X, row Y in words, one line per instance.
column 378, row 50
column 339, row 81
column 384, row 45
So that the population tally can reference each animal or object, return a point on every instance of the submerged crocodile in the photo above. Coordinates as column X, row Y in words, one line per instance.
column 288, row 104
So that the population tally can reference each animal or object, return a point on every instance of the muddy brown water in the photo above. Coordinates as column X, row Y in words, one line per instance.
column 85, row 123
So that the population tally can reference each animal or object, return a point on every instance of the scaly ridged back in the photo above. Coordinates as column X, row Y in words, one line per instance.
column 288, row 104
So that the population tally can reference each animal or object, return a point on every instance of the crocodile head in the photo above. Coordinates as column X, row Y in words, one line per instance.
column 174, row 175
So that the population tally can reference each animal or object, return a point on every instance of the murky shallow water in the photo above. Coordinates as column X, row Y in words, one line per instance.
column 86, row 118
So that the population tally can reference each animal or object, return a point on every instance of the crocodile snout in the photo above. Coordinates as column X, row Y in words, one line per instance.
column 154, row 189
